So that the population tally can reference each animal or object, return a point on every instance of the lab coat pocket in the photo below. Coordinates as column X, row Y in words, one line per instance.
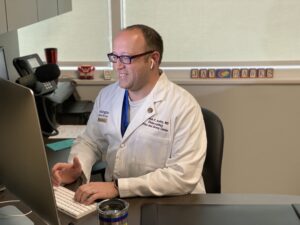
column 151, row 151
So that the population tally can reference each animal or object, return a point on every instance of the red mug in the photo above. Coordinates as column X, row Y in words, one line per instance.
column 51, row 55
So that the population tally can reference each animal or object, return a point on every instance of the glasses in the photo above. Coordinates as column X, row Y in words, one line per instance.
column 125, row 59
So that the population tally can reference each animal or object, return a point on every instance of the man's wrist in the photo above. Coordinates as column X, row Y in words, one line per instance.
column 116, row 186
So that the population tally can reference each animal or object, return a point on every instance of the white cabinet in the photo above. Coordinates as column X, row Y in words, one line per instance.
column 3, row 24
column 15, row 14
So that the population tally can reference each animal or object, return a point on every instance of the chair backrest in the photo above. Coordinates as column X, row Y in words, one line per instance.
column 215, row 140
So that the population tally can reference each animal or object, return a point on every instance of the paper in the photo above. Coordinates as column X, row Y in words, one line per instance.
column 60, row 145
column 69, row 131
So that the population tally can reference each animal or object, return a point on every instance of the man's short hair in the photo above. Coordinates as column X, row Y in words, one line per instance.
column 152, row 37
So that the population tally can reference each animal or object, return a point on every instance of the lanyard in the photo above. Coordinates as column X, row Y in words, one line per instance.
column 125, row 113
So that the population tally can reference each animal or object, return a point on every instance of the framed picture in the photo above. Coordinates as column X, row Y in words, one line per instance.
column 107, row 74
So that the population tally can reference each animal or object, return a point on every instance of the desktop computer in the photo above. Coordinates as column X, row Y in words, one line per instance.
column 23, row 163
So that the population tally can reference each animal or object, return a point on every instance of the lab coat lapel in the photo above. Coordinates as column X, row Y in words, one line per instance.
column 148, row 108
column 145, row 112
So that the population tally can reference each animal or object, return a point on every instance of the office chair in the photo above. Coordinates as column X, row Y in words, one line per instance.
column 215, row 140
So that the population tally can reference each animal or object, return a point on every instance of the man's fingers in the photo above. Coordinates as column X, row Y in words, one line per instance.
column 83, row 193
column 76, row 162
column 58, row 166
column 56, row 179
column 91, row 199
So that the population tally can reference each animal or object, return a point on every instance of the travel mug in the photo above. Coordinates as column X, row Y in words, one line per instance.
column 113, row 212
column 51, row 55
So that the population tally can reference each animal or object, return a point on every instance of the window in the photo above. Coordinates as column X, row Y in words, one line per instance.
column 222, row 30
column 194, row 31
column 80, row 35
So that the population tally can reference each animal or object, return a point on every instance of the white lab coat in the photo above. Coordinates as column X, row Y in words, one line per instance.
column 163, row 149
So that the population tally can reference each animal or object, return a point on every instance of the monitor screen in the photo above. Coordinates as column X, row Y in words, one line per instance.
column 3, row 68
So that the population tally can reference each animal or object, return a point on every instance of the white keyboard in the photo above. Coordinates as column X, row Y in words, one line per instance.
column 65, row 203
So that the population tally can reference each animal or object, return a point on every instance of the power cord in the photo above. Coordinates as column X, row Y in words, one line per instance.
column 9, row 201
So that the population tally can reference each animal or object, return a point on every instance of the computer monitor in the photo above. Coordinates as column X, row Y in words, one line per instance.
column 3, row 67
column 23, row 162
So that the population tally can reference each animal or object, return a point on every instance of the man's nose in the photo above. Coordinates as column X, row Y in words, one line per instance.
column 119, row 65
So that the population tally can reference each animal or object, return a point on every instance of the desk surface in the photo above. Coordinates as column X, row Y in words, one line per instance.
column 216, row 199
column 136, row 203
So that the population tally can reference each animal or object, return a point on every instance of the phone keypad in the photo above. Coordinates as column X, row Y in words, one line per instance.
column 48, row 85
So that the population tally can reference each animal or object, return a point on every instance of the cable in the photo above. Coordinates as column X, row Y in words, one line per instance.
column 48, row 120
column 9, row 201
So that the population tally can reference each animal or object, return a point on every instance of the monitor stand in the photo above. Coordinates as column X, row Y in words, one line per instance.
column 6, row 217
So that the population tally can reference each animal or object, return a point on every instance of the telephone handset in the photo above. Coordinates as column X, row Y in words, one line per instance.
column 26, row 67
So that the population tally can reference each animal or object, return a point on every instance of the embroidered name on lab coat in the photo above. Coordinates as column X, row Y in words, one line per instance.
column 102, row 116
column 157, row 124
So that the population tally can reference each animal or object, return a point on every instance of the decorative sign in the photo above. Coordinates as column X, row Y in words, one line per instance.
column 244, row 73
column 194, row 73
column 203, row 73
column 236, row 73
column 252, row 73
column 232, row 73
column 223, row 73
column 261, row 73
column 270, row 73
column 211, row 73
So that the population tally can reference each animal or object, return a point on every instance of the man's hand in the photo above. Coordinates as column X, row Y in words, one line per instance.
column 90, row 192
column 66, row 173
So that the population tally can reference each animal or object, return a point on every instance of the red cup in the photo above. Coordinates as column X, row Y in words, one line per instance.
column 51, row 55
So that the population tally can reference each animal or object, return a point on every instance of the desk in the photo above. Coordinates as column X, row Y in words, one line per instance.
column 136, row 203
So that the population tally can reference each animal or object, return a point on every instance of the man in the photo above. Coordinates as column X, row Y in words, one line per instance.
column 162, row 150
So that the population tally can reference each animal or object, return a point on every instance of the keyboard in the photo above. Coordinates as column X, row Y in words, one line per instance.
column 65, row 203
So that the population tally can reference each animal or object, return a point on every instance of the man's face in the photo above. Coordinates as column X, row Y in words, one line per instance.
column 134, row 76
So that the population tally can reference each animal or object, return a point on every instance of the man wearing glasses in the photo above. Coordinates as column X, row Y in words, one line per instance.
column 150, row 131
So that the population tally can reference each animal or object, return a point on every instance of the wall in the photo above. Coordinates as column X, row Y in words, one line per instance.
column 261, row 122
column 11, row 47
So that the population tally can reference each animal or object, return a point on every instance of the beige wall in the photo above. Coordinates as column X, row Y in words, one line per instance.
column 262, row 138
column 262, row 141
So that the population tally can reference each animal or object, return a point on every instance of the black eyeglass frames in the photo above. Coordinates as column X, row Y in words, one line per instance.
column 125, row 59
